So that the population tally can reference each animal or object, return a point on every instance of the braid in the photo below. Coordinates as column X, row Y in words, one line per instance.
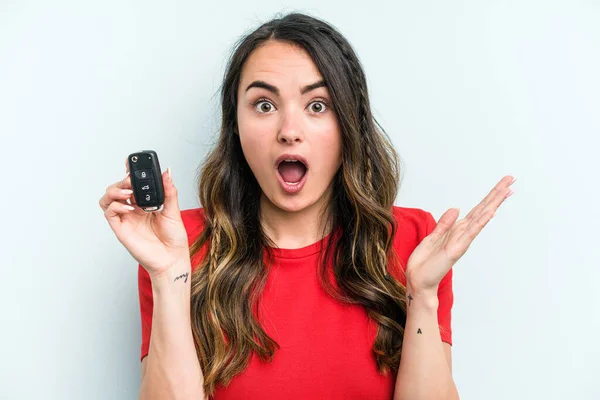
column 365, row 126
column 356, row 74
column 369, row 164
column 216, row 241
column 358, row 82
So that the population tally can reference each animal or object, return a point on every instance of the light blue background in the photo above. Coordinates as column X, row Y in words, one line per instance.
column 468, row 90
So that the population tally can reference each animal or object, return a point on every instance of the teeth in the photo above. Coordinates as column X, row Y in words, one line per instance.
column 291, row 160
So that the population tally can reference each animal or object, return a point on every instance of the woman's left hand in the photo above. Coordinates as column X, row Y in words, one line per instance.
column 445, row 245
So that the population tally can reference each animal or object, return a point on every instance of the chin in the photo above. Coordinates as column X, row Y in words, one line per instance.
column 291, row 204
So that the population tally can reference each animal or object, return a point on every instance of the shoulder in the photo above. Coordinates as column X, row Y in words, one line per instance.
column 412, row 226
column 412, row 223
column 194, row 221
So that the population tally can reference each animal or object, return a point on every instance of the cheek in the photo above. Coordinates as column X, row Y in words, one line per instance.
column 254, row 142
column 251, row 148
column 330, row 147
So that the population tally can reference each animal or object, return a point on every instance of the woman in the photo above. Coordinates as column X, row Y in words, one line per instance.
column 299, row 278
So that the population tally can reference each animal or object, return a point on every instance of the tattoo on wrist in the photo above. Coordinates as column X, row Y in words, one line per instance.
column 182, row 276
column 419, row 331
column 409, row 299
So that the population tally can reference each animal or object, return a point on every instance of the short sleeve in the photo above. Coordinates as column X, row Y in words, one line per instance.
column 146, row 306
column 445, row 294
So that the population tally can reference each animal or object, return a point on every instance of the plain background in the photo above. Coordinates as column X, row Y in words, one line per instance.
column 469, row 91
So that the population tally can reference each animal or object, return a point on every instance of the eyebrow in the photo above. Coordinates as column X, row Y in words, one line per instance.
column 273, row 89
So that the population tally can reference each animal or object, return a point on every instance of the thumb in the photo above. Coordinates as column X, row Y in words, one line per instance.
column 171, row 205
column 445, row 222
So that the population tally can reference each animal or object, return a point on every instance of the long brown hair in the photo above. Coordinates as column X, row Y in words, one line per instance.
column 227, row 283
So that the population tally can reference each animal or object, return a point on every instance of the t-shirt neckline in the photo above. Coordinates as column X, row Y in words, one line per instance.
column 301, row 252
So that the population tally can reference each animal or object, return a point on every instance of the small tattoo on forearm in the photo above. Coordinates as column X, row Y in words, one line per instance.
column 409, row 299
column 182, row 276
column 419, row 331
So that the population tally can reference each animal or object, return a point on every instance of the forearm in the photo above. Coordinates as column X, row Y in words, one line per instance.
column 424, row 372
column 172, row 370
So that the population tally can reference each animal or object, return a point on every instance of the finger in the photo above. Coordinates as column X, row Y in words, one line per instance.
column 131, row 200
column 125, row 183
column 126, row 164
column 114, row 191
column 444, row 224
column 171, row 204
column 114, row 212
column 478, row 209
column 495, row 202
column 502, row 192
column 473, row 229
column 503, row 183
column 477, row 223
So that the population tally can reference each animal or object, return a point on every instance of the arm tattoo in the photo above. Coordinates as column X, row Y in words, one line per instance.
column 419, row 331
column 409, row 299
column 182, row 276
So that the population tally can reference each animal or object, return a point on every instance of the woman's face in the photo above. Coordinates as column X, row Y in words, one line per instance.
column 284, row 112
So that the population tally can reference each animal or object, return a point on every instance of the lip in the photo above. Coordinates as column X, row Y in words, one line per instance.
column 288, row 156
column 296, row 187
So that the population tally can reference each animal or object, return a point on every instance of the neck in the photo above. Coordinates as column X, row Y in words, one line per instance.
column 293, row 230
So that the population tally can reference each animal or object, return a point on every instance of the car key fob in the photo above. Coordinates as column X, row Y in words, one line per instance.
column 146, row 180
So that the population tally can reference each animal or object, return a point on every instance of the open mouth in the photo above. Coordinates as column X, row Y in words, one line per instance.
column 292, row 171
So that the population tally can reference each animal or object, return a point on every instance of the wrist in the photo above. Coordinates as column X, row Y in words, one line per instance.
column 177, row 275
column 418, row 296
column 421, row 301
column 418, row 284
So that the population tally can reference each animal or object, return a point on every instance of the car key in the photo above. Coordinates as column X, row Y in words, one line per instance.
column 146, row 180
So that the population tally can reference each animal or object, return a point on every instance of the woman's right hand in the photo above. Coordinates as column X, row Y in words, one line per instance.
column 158, row 239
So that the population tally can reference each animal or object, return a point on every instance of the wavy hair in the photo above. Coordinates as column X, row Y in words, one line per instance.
column 227, row 283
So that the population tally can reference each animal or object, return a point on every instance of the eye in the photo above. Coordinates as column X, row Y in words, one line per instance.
column 263, row 106
column 317, row 107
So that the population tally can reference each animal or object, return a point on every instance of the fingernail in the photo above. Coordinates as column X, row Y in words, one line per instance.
column 126, row 176
column 509, row 194
column 129, row 208
column 126, row 191
column 513, row 181
column 169, row 173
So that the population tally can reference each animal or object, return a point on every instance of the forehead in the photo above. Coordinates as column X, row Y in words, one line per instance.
column 281, row 62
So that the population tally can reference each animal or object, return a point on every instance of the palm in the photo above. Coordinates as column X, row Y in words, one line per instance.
column 439, row 251
column 152, row 238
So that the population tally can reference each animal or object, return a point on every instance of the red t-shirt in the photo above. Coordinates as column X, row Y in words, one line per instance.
column 325, row 346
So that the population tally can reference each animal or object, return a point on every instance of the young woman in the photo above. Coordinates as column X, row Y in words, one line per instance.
column 299, row 278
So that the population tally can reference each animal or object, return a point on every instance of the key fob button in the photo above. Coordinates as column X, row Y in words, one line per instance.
column 146, row 186
column 144, row 174
column 149, row 197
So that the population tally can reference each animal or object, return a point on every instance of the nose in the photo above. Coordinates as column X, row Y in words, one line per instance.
column 291, row 129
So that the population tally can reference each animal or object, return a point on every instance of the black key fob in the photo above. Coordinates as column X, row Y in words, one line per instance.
column 146, row 180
